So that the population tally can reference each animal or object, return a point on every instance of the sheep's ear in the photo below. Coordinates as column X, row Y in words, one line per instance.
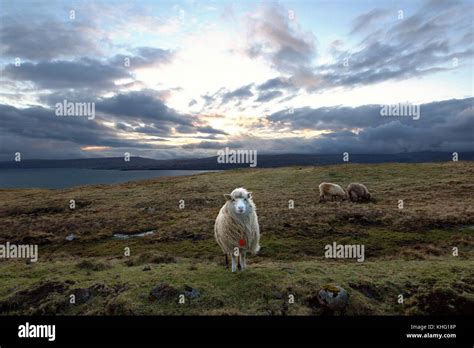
column 249, row 195
column 227, row 196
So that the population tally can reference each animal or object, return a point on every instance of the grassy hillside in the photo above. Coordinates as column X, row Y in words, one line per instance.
column 407, row 251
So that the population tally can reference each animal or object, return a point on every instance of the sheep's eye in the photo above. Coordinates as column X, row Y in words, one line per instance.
column 245, row 199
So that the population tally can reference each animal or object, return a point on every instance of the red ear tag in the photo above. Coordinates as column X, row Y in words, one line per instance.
column 241, row 242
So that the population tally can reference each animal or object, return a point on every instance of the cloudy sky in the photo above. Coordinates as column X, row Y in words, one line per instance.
column 184, row 79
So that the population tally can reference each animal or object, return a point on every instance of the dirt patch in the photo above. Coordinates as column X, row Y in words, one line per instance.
column 32, row 298
column 440, row 301
column 163, row 292
column 119, row 306
column 366, row 218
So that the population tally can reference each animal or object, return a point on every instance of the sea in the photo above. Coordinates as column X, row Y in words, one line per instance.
column 57, row 178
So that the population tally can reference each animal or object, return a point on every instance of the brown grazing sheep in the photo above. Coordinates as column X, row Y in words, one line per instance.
column 358, row 192
column 331, row 192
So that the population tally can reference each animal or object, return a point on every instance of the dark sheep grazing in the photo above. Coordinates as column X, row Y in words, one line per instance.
column 358, row 192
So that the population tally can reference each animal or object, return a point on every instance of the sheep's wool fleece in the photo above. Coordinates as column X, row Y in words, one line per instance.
column 357, row 190
column 230, row 228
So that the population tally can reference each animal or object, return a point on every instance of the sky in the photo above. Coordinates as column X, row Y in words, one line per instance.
column 176, row 79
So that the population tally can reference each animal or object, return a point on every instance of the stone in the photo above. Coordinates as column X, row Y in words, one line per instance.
column 333, row 297
column 82, row 295
column 190, row 292
column 163, row 292
column 71, row 237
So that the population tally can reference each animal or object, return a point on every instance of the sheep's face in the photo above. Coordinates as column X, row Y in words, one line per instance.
column 240, row 201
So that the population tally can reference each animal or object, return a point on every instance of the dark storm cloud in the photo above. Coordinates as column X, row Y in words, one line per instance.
column 266, row 92
column 432, row 115
column 37, row 130
column 210, row 130
column 147, row 108
column 276, row 83
column 214, row 99
column 243, row 92
column 269, row 95
column 143, row 106
column 442, row 126
column 213, row 145
column 446, row 125
column 334, row 118
column 27, row 38
column 138, row 112
column 42, row 124
column 83, row 73
column 143, row 57
column 86, row 73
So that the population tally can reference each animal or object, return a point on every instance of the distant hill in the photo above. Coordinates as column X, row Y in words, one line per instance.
column 210, row 163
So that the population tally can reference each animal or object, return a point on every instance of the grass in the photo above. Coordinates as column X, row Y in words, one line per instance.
column 408, row 251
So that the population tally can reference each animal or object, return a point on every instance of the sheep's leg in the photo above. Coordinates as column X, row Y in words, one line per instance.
column 243, row 260
column 234, row 263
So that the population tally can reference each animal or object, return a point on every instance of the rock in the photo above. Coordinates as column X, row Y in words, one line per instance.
column 82, row 295
column 71, row 237
column 163, row 292
column 277, row 294
column 146, row 268
column 333, row 297
column 191, row 292
column 151, row 210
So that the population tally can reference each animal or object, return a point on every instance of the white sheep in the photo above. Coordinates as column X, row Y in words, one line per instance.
column 331, row 191
column 236, row 229
column 358, row 192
